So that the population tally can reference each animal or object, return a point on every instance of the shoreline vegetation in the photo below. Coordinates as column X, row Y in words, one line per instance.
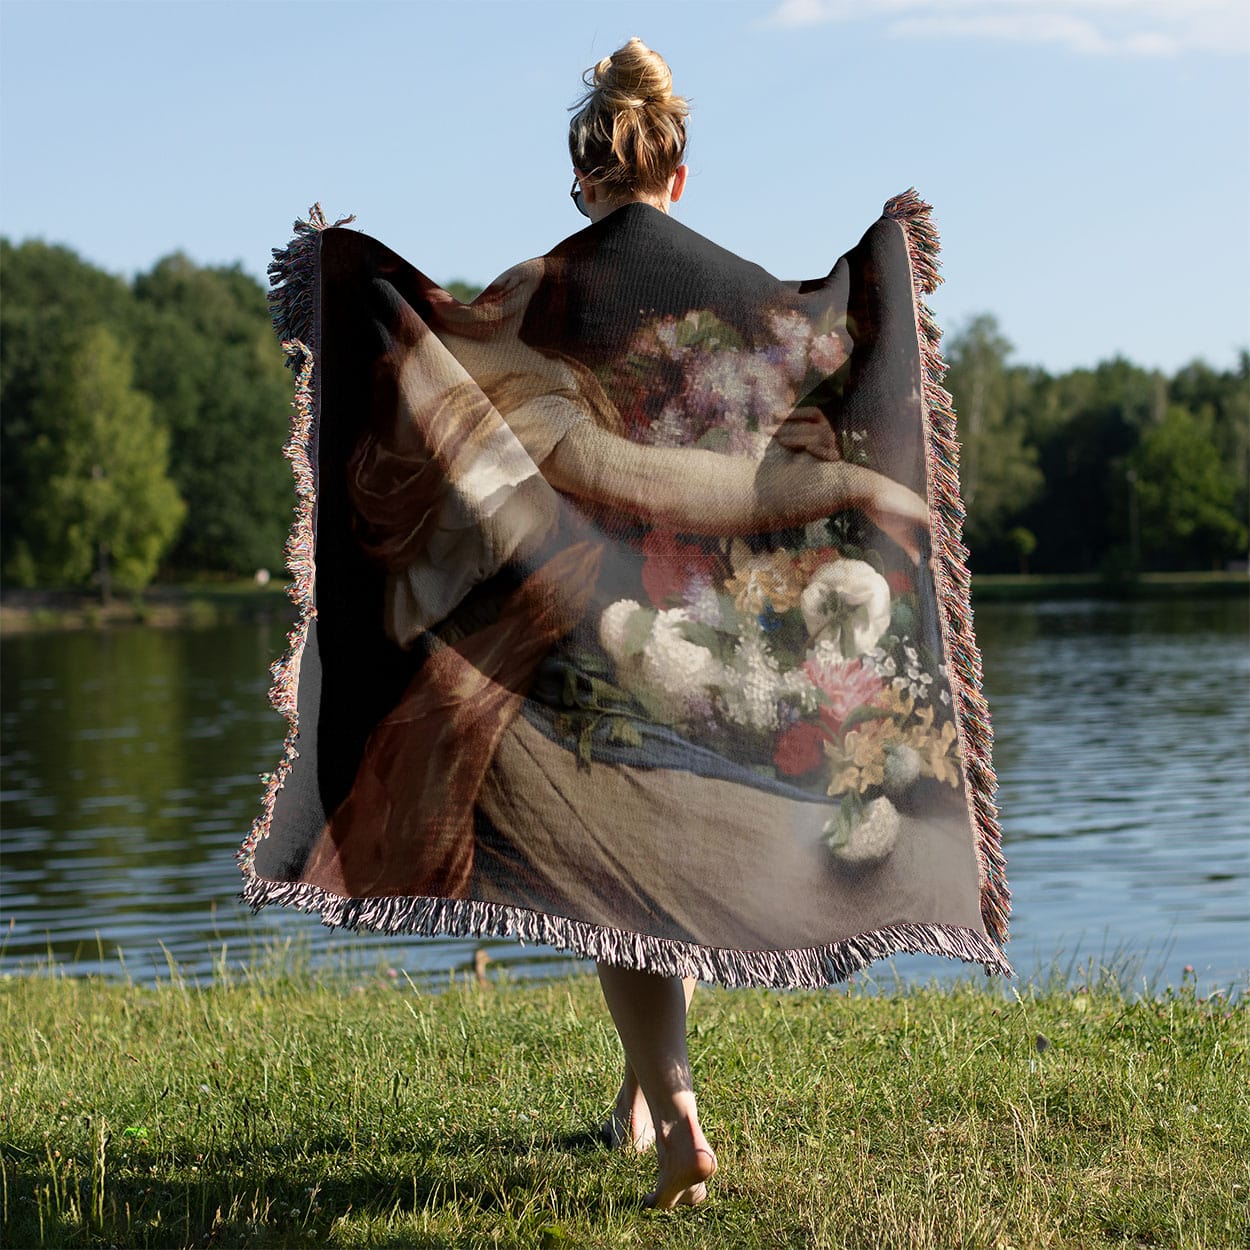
column 232, row 601
column 281, row 1107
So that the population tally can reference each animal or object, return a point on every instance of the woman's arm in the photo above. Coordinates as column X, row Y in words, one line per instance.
column 705, row 492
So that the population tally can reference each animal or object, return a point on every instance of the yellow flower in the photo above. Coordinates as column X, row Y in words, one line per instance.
column 859, row 759
column 769, row 578
column 896, row 703
column 937, row 756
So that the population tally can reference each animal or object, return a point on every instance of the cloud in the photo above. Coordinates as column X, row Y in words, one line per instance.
column 1135, row 28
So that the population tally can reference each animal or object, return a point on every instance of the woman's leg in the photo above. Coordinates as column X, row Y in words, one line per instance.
column 650, row 1015
column 629, row 1123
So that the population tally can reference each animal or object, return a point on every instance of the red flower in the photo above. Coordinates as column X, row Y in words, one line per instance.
column 799, row 749
column 670, row 567
column 900, row 582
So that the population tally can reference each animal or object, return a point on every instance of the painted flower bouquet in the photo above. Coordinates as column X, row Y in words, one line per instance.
column 693, row 381
column 796, row 654
column 802, row 662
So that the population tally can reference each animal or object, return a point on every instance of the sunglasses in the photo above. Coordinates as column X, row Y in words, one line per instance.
column 576, row 196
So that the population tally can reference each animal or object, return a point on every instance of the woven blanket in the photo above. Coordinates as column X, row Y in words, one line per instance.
column 633, row 614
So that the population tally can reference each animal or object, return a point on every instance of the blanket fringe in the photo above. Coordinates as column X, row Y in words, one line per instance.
column 293, row 304
column 294, row 307
column 947, row 513
column 293, row 279
column 784, row 969
column 300, row 547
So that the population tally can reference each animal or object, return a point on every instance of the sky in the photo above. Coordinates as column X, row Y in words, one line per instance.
column 1088, row 160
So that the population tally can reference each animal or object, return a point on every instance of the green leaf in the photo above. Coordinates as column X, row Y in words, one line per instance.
column 902, row 617
column 872, row 557
column 862, row 714
column 700, row 635
column 730, row 621
column 602, row 692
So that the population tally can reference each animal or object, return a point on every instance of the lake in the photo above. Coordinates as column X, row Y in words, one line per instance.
column 131, row 760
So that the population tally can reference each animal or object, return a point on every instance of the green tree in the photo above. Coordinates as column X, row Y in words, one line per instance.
column 102, row 503
column 208, row 358
column 1221, row 398
column 1186, row 495
column 998, row 468
column 51, row 299
column 465, row 292
column 1086, row 424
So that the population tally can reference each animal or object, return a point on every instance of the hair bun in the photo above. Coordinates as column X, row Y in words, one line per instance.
column 633, row 77
column 629, row 130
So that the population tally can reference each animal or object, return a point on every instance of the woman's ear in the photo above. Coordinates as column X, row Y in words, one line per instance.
column 678, row 184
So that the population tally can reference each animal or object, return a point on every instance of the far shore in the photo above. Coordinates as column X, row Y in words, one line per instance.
column 207, row 603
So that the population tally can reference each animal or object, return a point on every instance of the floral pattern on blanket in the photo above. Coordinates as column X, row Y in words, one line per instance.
column 802, row 659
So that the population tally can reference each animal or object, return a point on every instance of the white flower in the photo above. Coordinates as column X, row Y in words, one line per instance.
column 829, row 352
column 666, row 335
column 871, row 839
column 703, row 603
column 672, row 428
column 902, row 767
column 674, row 674
column 797, row 688
column 847, row 603
column 751, row 685
column 613, row 624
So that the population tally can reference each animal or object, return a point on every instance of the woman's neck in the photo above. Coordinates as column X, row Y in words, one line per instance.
column 603, row 208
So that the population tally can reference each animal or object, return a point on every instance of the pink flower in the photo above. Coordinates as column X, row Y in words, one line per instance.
column 799, row 749
column 845, row 685
column 829, row 352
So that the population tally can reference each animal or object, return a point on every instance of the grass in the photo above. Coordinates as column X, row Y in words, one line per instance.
column 293, row 1109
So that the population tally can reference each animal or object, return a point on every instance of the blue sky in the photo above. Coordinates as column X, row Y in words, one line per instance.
column 1089, row 160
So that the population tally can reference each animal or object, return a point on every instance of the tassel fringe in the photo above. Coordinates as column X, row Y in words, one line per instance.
column 294, row 306
column 785, row 969
column 954, row 583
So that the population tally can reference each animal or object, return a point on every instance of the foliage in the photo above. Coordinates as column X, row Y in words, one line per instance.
column 205, row 358
column 274, row 1110
column 51, row 300
column 998, row 467
column 208, row 353
column 1114, row 468
column 1080, row 461
column 101, row 502
column 1187, row 492
column 465, row 292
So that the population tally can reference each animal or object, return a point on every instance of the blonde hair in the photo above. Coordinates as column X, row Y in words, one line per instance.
column 629, row 131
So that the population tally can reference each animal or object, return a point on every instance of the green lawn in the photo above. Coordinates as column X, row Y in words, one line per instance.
column 293, row 1110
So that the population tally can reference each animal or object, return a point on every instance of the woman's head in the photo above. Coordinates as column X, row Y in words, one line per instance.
column 629, row 132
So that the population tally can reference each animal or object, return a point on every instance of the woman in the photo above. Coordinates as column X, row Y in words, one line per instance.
column 626, row 639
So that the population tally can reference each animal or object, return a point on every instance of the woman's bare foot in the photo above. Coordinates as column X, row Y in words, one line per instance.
column 686, row 1165
column 629, row 1126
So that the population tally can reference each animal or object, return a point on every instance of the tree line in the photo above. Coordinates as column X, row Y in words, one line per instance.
column 142, row 422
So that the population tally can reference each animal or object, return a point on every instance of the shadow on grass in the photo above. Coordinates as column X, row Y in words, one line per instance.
column 263, row 1198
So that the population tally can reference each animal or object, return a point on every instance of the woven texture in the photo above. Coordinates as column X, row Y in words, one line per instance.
column 633, row 614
